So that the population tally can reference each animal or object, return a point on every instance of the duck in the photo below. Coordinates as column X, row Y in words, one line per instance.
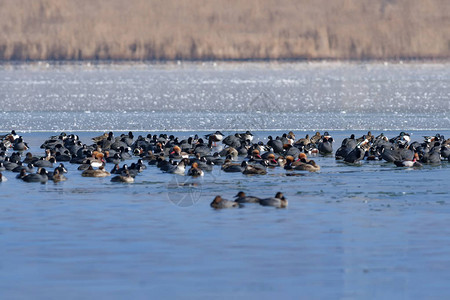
column 44, row 163
column 310, row 166
column 2, row 178
column 20, row 145
column 247, row 136
column 178, row 169
column 39, row 176
column 325, row 147
column 100, row 138
column 271, row 161
column 176, row 153
column 29, row 158
column 215, row 137
column 254, row 169
column 278, row 201
column 316, row 138
column 241, row 197
column 230, row 167
column 28, row 168
column 57, row 176
column 302, row 142
column 195, row 170
column 205, row 165
column 8, row 164
column 124, row 177
column 85, row 165
column 91, row 172
column 233, row 141
column 115, row 159
column 230, row 151
column 22, row 174
column 275, row 144
column 219, row 203
column 357, row 154
column 409, row 163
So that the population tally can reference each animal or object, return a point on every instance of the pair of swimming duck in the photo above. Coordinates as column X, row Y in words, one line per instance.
column 279, row 201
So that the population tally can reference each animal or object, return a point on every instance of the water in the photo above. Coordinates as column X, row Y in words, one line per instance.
column 368, row 231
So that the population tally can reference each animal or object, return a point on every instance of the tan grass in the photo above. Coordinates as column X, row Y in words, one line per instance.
column 224, row 29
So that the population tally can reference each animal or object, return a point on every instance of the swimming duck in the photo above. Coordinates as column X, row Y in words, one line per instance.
column 241, row 197
column 310, row 166
column 28, row 168
column 302, row 142
column 215, row 137
column 247, row 136
column 91, row 172
column 128, row 139
column 316, row 138
column 57, row 176
column 219, row 203
column 229, row 151
column 278, row 201
column 29, row 158
column 347, row 145
column 39, row 176
column 409, row 163
column 115, row 159
column 276, row 145
column 87, row 163
column 254, row 169
column 230, row 167
column 233, row 141
column 61, row 169
column 431, row 157
column 43, row 163
column 205, row 165
column 356, row 154
column 195, row 170
column 22, row 174
column 8, row 164
column 100, row 138
column 325, row 147
column 271, row 161
column 20, row 145
column 176, row 153
column 124, row 177
column 179, row 168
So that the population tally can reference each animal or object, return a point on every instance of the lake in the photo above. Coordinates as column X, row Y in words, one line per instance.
column 350, row 231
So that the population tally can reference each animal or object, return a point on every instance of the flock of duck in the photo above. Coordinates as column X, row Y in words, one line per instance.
column 195, row 155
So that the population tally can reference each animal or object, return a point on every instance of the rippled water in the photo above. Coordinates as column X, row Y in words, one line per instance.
column 368, row 231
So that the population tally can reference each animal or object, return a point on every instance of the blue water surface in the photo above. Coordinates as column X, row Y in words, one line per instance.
column 368, row 231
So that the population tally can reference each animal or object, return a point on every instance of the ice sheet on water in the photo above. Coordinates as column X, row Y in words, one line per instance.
column 257, row 95
column 176, row 121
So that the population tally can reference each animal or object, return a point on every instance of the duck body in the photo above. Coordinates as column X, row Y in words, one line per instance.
column 279, row 201
column 40, row 176
column 125, row 177
column 255, row 169
column 241, row 197
column 219, row 203
column 57, row 176
column 91, row 172
column 355, row 155
column 195, row 171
